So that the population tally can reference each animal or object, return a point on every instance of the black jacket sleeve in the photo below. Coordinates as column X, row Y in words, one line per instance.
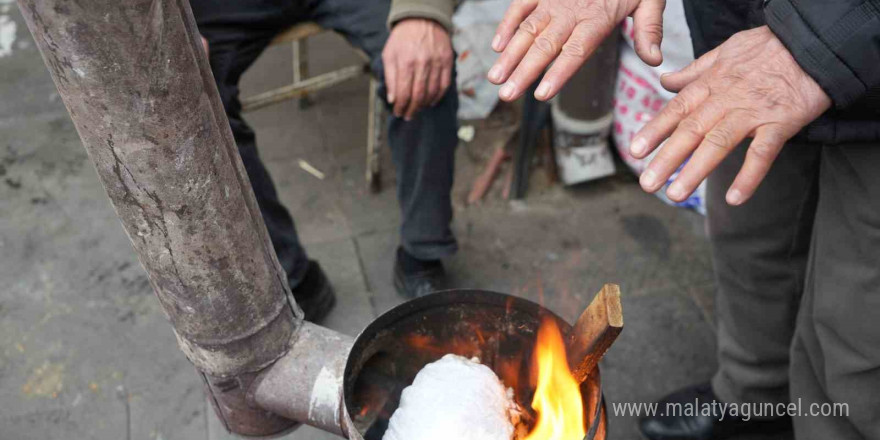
column 837, row 42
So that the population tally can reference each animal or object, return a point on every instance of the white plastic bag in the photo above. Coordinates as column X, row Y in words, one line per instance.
column 475, row 22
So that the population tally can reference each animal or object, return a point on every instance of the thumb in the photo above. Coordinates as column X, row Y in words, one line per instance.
column 648, row 26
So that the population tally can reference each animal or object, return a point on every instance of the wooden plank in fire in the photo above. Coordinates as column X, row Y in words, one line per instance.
column 595, row 331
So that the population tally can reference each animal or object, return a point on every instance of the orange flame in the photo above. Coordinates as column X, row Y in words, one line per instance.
column 557, row 398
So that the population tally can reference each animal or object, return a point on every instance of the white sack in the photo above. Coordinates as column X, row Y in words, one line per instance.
column 454, row 398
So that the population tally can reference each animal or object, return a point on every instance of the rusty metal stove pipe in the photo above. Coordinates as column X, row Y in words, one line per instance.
column 139, row 90
column 308, row 388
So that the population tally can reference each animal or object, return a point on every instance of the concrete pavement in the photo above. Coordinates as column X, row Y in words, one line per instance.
column 86, row 353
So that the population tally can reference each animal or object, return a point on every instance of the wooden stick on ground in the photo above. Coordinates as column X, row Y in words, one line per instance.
column 595, row 331
column 485, row 179
column 483, row 182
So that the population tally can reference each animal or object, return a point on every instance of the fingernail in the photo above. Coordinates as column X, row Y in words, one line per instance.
column 648, row 180
column 495, row 74
column 390, row 98
column 543, row 91
column 655, row 50
column 675, row 191
column 638, row 147
column 507, row 90
column 496, row 43
column 734, row 197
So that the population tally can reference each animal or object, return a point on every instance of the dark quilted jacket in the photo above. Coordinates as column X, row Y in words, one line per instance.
column 837, row 42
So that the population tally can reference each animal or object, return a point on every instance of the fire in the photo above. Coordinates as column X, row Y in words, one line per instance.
column 557, row 398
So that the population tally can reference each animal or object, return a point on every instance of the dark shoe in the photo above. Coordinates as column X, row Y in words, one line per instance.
column 415, row 278
column 697, row 425
column 314, row 294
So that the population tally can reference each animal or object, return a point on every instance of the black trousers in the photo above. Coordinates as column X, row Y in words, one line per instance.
column 422, row 149
column 798, row 273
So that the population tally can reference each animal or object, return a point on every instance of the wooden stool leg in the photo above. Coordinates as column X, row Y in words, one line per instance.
column 301, row 68
column 374, row 132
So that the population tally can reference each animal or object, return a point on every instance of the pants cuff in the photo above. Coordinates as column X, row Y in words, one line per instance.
column 728, row 391
column 432, row 252
column 724, row 390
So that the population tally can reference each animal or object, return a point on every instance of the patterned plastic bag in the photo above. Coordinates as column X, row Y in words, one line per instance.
column 639, row 95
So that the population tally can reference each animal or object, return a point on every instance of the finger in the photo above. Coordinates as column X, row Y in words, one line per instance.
column 584, row 40
column 717, row 144
column 675, row 81
column 762, row 152
column 205, row 46
column 403, row 90
column 390, row 68
column 543, row 51
column 516, row 13
column 648, row 25
column 433, row 90
column 533, row 25
column 419, row 90
column 687, row 136
column 665, row 122
column 445, row 82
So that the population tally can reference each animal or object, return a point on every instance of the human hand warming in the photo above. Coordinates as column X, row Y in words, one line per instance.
column 534, row 33
column 418, row 65
column 749, row 86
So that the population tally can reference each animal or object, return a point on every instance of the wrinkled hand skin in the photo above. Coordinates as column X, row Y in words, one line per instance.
column 535, row 33
column 750, row 86
column 418, row 65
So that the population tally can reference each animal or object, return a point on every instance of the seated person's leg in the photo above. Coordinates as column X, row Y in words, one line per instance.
column 423, row 147
column 234, row 44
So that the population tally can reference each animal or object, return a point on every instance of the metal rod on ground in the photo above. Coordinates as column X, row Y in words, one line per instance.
column 374, row 132
column 535, row 116
column 138, row 88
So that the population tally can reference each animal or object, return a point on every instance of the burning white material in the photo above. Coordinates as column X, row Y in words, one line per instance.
column 454, row 398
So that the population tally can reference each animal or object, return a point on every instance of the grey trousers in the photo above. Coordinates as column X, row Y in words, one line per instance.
column 798, row 275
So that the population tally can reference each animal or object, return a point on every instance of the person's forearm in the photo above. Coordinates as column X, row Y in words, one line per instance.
column 835, row 42
column 437, row 10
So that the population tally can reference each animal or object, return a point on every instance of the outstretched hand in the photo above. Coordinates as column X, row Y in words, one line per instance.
column 535, row 33
column 750, row 86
